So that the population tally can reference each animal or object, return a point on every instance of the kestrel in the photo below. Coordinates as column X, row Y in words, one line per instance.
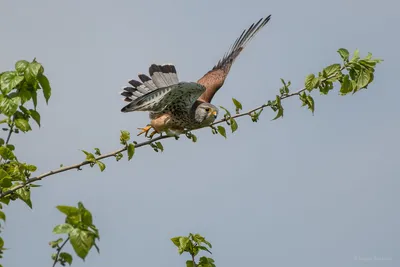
column 176, row 107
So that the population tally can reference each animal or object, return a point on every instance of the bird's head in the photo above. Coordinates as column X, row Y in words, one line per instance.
column 206, row 114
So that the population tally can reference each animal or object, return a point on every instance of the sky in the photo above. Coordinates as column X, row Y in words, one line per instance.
column 306, row 190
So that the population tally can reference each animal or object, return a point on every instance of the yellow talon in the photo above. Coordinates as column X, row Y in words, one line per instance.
column 146, row 130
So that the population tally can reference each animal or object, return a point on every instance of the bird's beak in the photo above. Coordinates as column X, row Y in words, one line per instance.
column 214, row 113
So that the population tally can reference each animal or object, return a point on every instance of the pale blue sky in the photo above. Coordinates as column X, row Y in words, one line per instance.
column 303, row 191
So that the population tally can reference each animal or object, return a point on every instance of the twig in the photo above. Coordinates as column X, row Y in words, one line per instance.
column 194, row 262
column 9, row 133
column 248, row 113
column 59, row 251
column 113, row 154
column 77, row 166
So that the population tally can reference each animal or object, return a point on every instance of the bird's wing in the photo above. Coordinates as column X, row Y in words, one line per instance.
column 215, row 78
column 182, row 95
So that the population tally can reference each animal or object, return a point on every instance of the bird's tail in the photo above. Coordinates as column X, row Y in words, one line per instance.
column 160, row 76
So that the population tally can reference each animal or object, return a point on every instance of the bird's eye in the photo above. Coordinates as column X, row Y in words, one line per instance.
column 207, row 109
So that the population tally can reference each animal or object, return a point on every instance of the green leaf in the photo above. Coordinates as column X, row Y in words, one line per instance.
column 89, row 156
column 356, row 56
column 6, row 182
column 32, row 71
column 35, row 115
column 55, row 243
column 221, row 131
column 21, row 65
column 45, row 84
column 206, row 262
column 64, row 228
column 309, row 82
column 332, row 69
column 175, row 240
column 124, row 137
column 23, row 125
column 310, row 102
column 159, row 146
column 34, row 98
column 81, row 241
column 10, row 80
column 279, row 114
column 2, row 216
column 97, row 151
column 189, row 264
column 118, row 156
column 9, row 106
column 131, row 151
column 237, row 104
column 234, row 125
column 204, row 248
column 64, row 256
column 346, row 85
column 6, row 153
column 102, row 166
column 316, row 82
column 183, row 244
column 344, row 54
column 363, row 79
column 227, row 113
column 68, row 210
column 191, row 136
column 25, row 195
column 87, row 218
column 5, row 200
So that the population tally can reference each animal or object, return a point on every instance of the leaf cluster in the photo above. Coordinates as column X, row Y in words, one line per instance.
column 193, row 244
column 82, row 233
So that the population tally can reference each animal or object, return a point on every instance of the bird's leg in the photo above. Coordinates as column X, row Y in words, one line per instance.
column 146, row 130
column 153, row 133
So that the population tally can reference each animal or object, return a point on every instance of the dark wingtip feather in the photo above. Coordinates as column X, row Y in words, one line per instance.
column 129, row 89
column 241, row 42
column 126, row 93
column 154, row 68
column 135, row 83
column 166, row 68
column 144, row 78
column 173, row 69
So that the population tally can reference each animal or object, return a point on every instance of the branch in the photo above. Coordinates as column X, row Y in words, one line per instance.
column 248, row 113
column 76, row 166
column 114, row 153
column 194, row 262
column 9, row 133
column 59, row 251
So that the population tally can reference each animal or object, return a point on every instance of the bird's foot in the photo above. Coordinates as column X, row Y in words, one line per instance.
column 145, row 131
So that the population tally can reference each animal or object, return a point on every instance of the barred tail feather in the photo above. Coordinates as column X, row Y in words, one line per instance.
column 161, row 76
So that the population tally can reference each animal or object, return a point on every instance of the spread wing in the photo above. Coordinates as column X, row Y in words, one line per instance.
column 215, row 78
column 182, row 94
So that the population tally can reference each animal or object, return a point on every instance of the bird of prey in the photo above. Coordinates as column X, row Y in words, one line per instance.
column 176, row 107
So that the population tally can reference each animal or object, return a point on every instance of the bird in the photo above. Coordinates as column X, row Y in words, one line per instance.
column 176, row 107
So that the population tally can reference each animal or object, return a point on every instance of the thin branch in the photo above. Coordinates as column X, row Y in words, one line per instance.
column 146, row 143
column 77, row 166
column 9, row 133
column 194, row 262
column 248, row 113
column 59, row 251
